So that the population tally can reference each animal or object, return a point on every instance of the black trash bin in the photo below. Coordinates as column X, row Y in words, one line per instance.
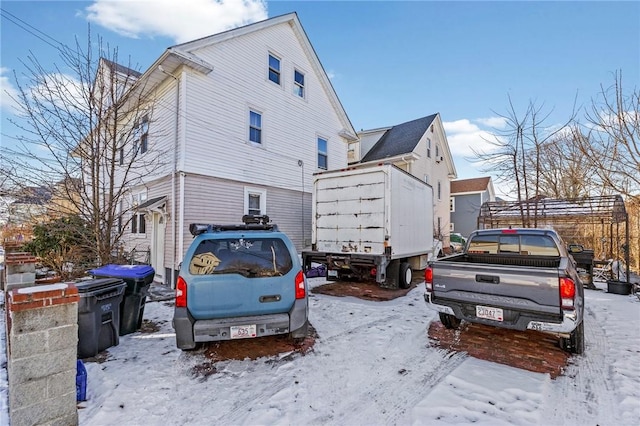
column 138, row 279
column 98, row 315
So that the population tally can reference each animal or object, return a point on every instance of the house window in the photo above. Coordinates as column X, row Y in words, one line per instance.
column 141, row 135
column 274, row 69
column 322, row 154
column 437, row 151
column 138, row 224
column 255, row 201
column 439, row 190
column 121, row 155
column 451, row 227
column 452, row 204
column 255, row 127
column 426, row 178
column 428, row 148
column 298, row 83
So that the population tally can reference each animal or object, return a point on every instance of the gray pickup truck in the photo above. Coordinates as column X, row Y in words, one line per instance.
column 511, row 278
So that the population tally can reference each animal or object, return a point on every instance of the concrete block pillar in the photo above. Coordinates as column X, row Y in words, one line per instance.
column 20, row 270
column 42, row 342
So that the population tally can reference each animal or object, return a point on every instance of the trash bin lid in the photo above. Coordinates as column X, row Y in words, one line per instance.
column 97, row 284
column 123, row 271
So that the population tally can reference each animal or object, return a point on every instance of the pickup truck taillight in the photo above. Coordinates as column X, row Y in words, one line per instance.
column 300, row 290
column 428, row 278
column 181, row 293
column 567, row 292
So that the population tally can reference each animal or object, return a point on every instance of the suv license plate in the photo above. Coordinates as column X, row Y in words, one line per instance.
column 332, row 273
column 487, row 312
column 243, row 331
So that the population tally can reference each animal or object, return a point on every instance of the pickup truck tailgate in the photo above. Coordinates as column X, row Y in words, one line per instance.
column 516, row 288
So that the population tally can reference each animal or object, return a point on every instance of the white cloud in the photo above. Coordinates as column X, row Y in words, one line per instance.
column 464, row 137
column 495, row 122
column 182, row 21
column 8, row 92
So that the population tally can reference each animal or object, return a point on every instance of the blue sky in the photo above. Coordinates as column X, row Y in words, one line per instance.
column 389, row 61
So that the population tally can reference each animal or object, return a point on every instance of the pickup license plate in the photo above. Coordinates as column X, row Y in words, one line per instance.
column 243, row 331
column 332, row 273
column 487, row 312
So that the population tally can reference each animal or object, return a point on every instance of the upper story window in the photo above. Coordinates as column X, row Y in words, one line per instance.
column 426, row 179
column 322, row 154
column 298, row 83
column 274, row 69
column 437, row 151
column 141, row 135
column 255, row 126
column 452, row 204
column 428, row 148
column 439, row 190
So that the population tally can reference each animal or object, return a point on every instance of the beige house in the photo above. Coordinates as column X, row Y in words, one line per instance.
column 419, row 147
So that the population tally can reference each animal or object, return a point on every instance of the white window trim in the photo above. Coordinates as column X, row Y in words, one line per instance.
column 296, row 85
column 325, row 153
column 248, row 190
column 452, row 207
column 271, row 52
column 439, row 190
column 451, row 227
column 251, row 109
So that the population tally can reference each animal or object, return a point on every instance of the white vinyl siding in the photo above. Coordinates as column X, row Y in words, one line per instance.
column 217, row 115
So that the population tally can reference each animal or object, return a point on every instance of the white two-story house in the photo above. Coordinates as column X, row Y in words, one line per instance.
column 242, row 119
column 419, row 147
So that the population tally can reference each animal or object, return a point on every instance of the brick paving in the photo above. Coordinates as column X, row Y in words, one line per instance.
column 529, row 350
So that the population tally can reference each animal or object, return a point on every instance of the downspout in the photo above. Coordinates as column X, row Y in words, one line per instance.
column 176, row 141
column 173, row 185
column 183, row 156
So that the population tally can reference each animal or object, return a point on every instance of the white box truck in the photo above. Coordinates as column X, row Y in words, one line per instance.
column 371, row 221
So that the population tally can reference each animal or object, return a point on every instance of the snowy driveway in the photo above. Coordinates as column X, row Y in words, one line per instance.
column 372, row 364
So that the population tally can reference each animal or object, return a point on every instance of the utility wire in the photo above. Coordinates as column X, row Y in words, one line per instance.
column 32, row 30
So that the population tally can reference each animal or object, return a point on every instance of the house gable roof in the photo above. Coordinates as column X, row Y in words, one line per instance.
column 480, row 184
column 400, row 139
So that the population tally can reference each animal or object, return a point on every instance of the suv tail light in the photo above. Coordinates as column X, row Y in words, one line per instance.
column 428, row 278
column 567, row 292
column 300, row 290
column 181, row 293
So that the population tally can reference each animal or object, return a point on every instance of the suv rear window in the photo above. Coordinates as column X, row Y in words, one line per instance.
column 252, row 258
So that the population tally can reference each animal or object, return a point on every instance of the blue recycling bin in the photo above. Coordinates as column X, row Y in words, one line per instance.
column 138, row 279
column 81, row 381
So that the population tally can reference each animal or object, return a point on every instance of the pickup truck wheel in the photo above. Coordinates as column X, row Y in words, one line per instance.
column 405, row 275
column 575, row 342
column 449, row 321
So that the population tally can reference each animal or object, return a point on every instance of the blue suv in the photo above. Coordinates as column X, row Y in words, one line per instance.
column 239, row 281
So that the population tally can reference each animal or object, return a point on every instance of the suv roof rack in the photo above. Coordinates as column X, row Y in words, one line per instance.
column 250, row 223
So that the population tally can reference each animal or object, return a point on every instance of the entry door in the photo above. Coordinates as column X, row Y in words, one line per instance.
column 157, row 246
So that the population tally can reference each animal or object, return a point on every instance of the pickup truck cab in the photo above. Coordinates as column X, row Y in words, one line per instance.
column 511, row 278
column 239, row 281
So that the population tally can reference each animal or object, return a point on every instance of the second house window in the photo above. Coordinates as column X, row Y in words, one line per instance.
column 298, row 80
column 255, row 127
column 274, row 69
column 322, row 154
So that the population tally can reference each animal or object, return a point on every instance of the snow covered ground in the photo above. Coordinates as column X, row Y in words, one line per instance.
column 372, row 364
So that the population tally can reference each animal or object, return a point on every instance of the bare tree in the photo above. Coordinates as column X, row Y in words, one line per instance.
column 519, row 154
column 610, row 140
column 83, row 133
